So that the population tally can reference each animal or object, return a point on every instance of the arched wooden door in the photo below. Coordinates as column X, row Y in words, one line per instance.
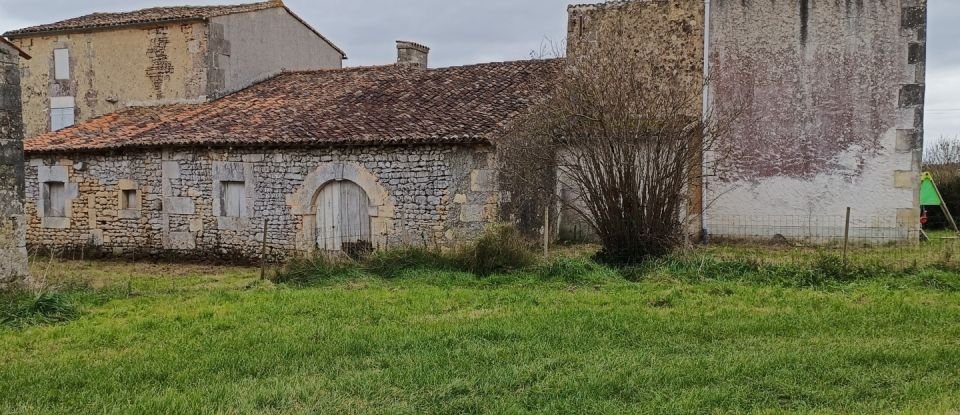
column 343, row 218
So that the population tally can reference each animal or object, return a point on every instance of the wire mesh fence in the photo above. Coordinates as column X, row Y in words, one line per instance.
column 859, row 241
column 765, row 240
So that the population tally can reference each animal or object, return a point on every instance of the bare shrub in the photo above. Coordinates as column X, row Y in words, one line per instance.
column 628, row 137
column 944, row 153
column 942, row 159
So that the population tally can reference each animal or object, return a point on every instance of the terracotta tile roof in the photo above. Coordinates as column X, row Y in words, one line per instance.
column 145, row 16
column 358, row 106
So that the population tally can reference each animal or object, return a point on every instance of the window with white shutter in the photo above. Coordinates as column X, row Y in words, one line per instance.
column 233, row 202
column 61, row 64
column 61, row 112
column 54, row 200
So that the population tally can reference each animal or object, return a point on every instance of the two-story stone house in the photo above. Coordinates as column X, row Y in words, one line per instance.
column 103, row 62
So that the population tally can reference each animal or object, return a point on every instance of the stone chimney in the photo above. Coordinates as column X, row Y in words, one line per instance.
column 412, row 54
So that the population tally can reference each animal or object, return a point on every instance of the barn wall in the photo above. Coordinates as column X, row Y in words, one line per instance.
column 435, row 195
column 13, row 254
column 831, row 95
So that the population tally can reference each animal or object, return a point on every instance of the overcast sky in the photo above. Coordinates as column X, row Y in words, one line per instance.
column 470, row 31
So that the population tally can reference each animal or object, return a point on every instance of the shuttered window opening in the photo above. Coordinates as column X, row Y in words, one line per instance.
column 62, row 112
column 61, row 64
column 54, row 200
column 233, row 201
column 130, row 200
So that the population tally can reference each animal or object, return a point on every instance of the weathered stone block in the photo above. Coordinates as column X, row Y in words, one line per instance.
column 906, row 141
column 170, row 169
column 472, row 213
column 179, row 206
column 906, row 179
column 483, row 180
column 196, row 225
column 911, row 95
column 128, row 214
column 126, row 184
column 913, row 18
column 909, row 218
column 182, row 241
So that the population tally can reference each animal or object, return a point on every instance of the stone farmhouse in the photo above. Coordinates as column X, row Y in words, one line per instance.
column 13, row 226
column 103, row 62
column 337, row 159
column 358, row 158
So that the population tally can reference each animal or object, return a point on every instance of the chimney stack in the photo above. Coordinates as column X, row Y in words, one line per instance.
column 412, row 54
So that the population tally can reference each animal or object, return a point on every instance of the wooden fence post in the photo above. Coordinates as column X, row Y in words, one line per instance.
column 546, row 231
column 263, row 253
column 846, row 237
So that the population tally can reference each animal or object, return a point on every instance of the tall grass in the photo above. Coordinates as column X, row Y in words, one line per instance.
column 21, row 308
column 502, row 249
column 307, row 270
column 821, row 271
column 503, row 252
column 393, row 263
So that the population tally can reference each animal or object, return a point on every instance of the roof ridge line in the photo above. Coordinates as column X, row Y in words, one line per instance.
column 75, row 24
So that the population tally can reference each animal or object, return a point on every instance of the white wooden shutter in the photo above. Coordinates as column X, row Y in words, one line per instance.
column 61, row 64
column 234, row 201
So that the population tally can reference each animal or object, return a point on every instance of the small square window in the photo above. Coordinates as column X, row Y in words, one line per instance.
column 54, row 201
column 130, row 200
column 233, row 201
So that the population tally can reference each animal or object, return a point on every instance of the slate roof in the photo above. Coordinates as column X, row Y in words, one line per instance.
column 381, row 105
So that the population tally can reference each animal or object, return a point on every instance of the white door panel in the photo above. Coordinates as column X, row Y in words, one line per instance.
column 343, row 216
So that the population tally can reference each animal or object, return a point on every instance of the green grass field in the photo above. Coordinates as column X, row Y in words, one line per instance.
column 165, row 339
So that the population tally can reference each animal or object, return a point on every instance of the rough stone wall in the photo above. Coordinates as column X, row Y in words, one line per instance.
column 666, row 33
column 831, row 94
column 248, row 47
column 13, row 253
column 440, row 195
column 113, row 69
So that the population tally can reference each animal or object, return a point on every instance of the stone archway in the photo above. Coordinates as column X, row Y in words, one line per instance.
column 307, row 201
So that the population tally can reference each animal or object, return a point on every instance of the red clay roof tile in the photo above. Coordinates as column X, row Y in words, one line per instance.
column 356, row 106
column 145, row 16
